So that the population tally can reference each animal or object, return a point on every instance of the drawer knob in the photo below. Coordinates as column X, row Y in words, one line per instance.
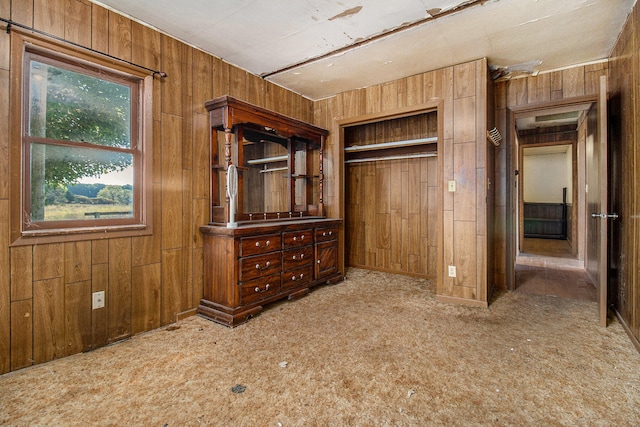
column 324, row 233
column 266, row 265
column 318, row 261
column 295, row 257
column 295, row 238
column 294, row 278
column 266, row 288
column 267, row 243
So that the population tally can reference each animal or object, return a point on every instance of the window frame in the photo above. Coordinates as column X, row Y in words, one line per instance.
column 23, row 231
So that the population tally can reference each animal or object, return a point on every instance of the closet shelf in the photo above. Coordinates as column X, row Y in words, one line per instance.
column 386, row 145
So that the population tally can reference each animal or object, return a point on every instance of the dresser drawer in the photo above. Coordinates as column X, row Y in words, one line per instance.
column 293, row 239
column 297, row 278
column 298, row 257
column 259, row 289
column 259, row 266
column 326, row 234
column 260, row 245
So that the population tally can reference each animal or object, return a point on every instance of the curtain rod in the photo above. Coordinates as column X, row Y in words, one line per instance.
column 11, row 23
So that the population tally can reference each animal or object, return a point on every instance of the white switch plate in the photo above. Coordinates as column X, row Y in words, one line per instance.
column 452, row 186
column 452, row 271
column 98, row 300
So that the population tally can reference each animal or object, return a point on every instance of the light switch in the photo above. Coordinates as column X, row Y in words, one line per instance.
column 452, row 186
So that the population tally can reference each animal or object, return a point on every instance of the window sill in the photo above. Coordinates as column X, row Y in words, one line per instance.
column 34, row 237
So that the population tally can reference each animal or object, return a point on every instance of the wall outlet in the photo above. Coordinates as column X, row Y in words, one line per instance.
column 452, row 271
column 98, row 300
column 452, row 186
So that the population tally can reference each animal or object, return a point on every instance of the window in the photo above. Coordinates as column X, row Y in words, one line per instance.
column 83, row 146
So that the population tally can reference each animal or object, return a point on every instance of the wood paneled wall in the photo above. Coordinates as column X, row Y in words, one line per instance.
column 624, row 140
column 520, row 93
column 45, row 290
column 463, row 156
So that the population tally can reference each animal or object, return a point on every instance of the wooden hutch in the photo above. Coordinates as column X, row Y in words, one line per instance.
column 267, row 240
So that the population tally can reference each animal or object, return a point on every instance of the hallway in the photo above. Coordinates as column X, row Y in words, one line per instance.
column 547, row 267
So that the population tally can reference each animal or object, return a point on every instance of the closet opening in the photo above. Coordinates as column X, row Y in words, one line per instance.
column 391, row 193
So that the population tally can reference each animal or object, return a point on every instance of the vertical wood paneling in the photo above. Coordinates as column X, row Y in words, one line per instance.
column 21, row 272
column 77, row 257
column 145, row 302
column 99, row 28
column 47, row 262
column 48, row 16
column 171, row 279
column 4, row 120
column 21, row 334
column 100, row 316
column 48, row 320
column 464, row 198
column 77, row 14
column 22, row 11
column 77, row 316
column 171, row 87
column 5, row 290
column 119, row 291
column 119, row 36
column 171, row 182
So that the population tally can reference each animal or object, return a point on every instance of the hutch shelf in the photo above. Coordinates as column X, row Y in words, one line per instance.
column 267, row 237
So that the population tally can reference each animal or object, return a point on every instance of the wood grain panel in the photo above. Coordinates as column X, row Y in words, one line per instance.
column 21, row 334
column 77, row 258
column 48, row 320
column 465, row 176
column 146, row 293
column 172, row 86
column 99, row 28
column 171, row 278
column 77, row 316
column 119, row 36
column 464, row 79
column 4, row 120
column 77, row 14
column 415, row 90
column 99, row 251
column 465, row 257
column 47, row 262
column 220, row 77
column 201, row 149
column 539, row 88
column 48, row 16
column 465, row 120
column 198, row 274
column 119, row 290
column 171, row 182
column 573, row 82
column 100, row 316
column 146, row 46
column 5, row 290
column 202, row 81
column 22, row 11
column 21, row 272
column 187, row 253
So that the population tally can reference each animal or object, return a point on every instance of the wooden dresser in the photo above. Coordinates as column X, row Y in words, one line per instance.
column 267, row 236
column 249, row 266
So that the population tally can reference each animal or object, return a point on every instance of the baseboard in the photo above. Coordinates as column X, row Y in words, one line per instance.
column 188, row 313
column 462, row 301
column 633, row 338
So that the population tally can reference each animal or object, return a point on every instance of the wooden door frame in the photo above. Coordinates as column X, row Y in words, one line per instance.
column 513, row 165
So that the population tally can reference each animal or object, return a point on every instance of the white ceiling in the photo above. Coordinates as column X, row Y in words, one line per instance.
column 322, row 47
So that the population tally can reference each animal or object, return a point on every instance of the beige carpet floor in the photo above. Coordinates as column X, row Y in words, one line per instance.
column 374, row 350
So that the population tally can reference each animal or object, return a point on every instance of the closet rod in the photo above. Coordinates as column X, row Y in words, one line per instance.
column 375, row 159
column 267, row 160
column 382, row 145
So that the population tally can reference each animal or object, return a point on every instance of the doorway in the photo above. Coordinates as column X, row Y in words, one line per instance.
column 550, row 211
